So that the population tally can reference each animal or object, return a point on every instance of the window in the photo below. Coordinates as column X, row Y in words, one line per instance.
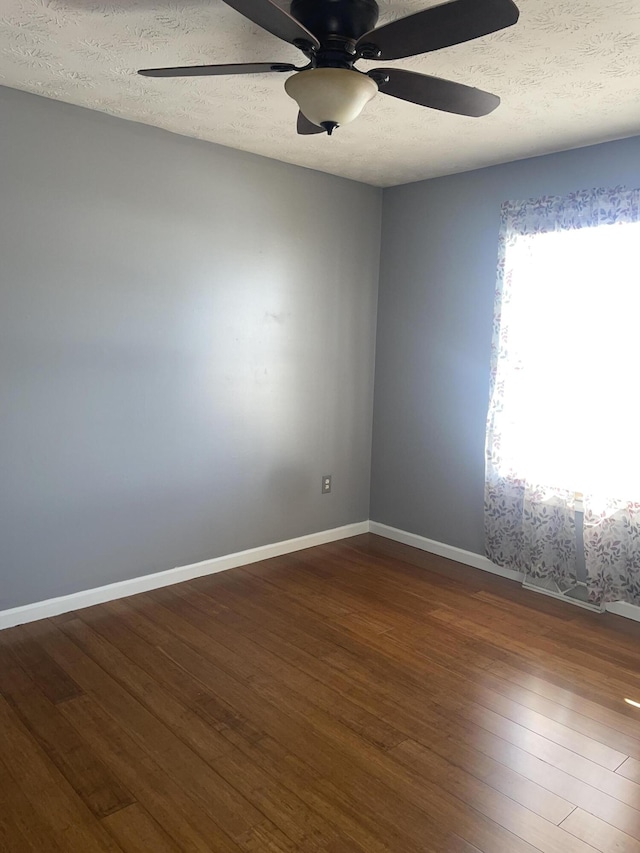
column 563, row 413
column 571, row 363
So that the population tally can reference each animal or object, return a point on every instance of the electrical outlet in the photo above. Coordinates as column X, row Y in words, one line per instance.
column 326, row 484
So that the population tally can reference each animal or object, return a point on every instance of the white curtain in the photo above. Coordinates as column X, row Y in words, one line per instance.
column 563, row 413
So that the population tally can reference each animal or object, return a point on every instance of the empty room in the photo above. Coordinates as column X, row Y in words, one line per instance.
column 319, row 459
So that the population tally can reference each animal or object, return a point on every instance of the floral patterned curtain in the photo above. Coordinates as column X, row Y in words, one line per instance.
column 612, row 549
column 529, row 509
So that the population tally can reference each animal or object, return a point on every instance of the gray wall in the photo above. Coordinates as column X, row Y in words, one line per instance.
column 437, row 281
column 186, row 346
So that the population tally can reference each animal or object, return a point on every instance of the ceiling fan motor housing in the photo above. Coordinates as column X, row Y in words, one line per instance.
column 344, row 19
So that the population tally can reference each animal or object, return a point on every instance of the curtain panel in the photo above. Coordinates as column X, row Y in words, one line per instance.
column 530, row 521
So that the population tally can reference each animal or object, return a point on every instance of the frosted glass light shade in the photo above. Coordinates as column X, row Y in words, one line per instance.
column 334, row 95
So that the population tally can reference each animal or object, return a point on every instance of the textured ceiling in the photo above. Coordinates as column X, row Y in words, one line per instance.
column 568, row 74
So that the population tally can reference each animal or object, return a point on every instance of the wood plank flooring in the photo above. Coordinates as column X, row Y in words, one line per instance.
column 358, row 697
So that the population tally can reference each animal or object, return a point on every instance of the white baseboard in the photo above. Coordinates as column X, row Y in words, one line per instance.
column 621, row 608
column 476, row 561
column 468, row 558
column 100, row 594
column 110, row 592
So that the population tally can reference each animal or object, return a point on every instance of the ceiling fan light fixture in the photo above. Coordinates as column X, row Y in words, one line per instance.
column 330, row 96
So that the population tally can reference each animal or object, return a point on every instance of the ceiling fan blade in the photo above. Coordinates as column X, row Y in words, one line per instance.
column 440, row 26
column 214, row 70
column 434, row 92
column 306, row 128
column 275, row 20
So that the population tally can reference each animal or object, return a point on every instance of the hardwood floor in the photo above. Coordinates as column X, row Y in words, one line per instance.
column 358, row 697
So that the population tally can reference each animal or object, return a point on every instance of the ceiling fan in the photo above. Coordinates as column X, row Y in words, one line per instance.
column 335, row 34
